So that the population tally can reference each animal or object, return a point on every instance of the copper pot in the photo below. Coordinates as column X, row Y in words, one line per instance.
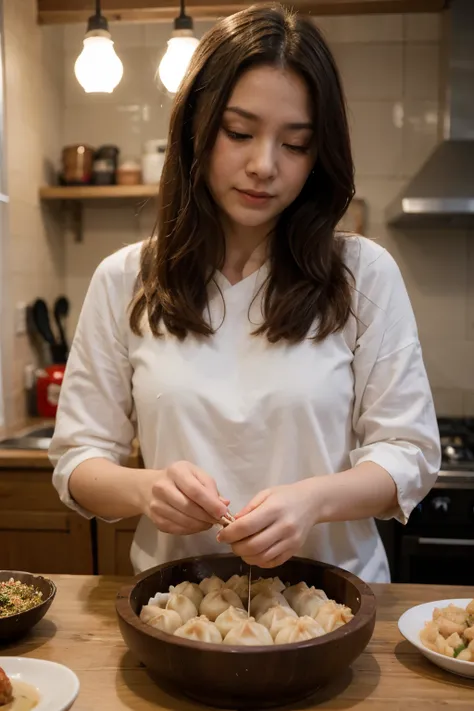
column 77, row 164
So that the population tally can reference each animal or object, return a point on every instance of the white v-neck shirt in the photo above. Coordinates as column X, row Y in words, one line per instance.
column 252, row 414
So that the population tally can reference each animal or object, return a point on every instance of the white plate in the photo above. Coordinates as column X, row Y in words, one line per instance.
column 412, row 622
column 57, row 685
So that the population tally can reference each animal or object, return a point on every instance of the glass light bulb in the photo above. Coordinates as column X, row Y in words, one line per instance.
column 175, row 61
column 98, row 68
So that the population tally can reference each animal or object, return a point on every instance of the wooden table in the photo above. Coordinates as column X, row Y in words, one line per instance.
column 81, row 632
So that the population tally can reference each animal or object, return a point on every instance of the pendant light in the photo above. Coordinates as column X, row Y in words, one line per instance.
column 178, row 54
column 98, row 69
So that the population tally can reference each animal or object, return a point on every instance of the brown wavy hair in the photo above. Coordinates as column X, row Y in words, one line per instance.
column 308, row 281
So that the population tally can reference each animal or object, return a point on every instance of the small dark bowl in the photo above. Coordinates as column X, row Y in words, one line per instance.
column 15, row 626
column 247, row 677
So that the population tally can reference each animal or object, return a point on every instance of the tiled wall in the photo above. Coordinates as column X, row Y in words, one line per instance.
column 391, row 68
column 32, row 249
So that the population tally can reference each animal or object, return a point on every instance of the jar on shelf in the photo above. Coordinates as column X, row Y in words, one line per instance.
column 153, row 160
column 129, row 172
column 105, row 165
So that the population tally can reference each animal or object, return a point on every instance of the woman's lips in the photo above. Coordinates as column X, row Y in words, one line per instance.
column 252, row 197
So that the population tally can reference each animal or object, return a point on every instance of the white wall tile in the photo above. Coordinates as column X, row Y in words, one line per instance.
column 379, row 193
column 95, row 125
column 421, row 75
column 420, row 133
column 377, row 141
column 449, row 363
column 434, row 266
column 422, row 27
column 448, row 403
column 470, row 289
column 371, row 71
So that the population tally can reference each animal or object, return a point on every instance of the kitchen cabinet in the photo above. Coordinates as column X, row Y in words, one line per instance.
column 113, row 546
column 37, row 532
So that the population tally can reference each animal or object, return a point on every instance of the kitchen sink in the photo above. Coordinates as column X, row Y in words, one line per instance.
column 38, row 438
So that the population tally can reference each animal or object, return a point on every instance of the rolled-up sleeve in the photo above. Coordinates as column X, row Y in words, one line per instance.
column 394, row 417
column 94, row 417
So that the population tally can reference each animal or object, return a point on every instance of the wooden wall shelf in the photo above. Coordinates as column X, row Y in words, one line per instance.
column 66, row 11
column 98, row 192
column 73, row 198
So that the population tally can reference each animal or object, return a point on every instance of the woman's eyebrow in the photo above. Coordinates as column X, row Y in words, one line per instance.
column 296, row 126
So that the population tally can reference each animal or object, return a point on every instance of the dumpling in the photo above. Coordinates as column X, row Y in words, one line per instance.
column 274, row 618
column 309, row 602
column 469, row 633
column 211, row 584
column 265, row 600
column 200, row 629
column 331, row 615
column 160, row 599
column 218, row 601
column 467, row 655
column 249, row 633
column 240, row 585
column 230, row 618
column 164, row 620
column 191, row 590
column 470, row 608
column 183, row 606
column 274, row 584
column 429, row 635
column 298, row 630
column 292, row 593
column 450, row 620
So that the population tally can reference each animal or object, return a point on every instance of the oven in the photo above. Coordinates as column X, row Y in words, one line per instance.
column 437, row 544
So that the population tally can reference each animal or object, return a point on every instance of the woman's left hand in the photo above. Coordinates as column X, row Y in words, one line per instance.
column 274, row 525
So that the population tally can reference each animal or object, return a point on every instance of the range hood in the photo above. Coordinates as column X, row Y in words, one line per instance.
column 441, row 194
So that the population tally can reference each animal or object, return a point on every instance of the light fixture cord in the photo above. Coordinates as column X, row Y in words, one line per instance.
column 97, row 7
column 183, row 9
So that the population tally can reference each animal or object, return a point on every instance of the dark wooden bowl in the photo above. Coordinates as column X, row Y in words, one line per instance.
column 15, row 626
column 246, row 677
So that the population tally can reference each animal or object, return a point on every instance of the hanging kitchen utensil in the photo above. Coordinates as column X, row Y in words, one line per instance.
column 40, row 315
column 61, row 312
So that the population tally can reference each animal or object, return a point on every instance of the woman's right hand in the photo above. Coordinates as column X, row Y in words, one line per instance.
column 183, row 500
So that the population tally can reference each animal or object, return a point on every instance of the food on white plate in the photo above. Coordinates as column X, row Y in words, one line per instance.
column 214, row 603
column 190, row 590
column 210, row 584
column 183, row 606
column 451, row 632
column 6, row 690
column 249, row 633
column 299, row 629
column 240, row 585
column 230, row 618
column 164, row 620
column 16, row 597
column 223, row 612
column 200, row 629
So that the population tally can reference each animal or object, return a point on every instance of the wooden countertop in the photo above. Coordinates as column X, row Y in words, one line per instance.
column 81, row 632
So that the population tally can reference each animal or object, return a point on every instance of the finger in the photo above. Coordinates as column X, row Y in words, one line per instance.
column 167, row 526
column 250, row 524
column 253, row 504
column 176, row 499
column 279, row 560
column 203, row 495
column 257, row 544
column 162, row 510
column 269, row 558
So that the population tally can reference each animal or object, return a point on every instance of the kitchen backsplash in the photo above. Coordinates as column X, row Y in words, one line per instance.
column 33, row 256
column 391, row 66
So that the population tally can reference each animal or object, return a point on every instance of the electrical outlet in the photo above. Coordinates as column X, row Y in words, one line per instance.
column 20, row 318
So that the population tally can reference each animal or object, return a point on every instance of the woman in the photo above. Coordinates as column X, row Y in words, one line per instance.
column 268, row 363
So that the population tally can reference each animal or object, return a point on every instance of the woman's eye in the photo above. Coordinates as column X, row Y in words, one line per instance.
column 297, row 149
column 234, row 136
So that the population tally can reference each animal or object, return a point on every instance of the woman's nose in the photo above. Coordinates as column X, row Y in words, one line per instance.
column 262, row 162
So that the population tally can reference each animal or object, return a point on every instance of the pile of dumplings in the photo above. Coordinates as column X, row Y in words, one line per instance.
column 215, row 611
column 451, row 632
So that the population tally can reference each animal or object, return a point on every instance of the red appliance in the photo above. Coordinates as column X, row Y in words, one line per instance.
column 48, row 386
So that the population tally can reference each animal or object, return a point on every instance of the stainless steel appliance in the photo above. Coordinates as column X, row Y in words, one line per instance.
column 437, row 544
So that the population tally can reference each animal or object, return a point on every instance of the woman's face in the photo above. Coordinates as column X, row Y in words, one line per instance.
column 263, row 152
